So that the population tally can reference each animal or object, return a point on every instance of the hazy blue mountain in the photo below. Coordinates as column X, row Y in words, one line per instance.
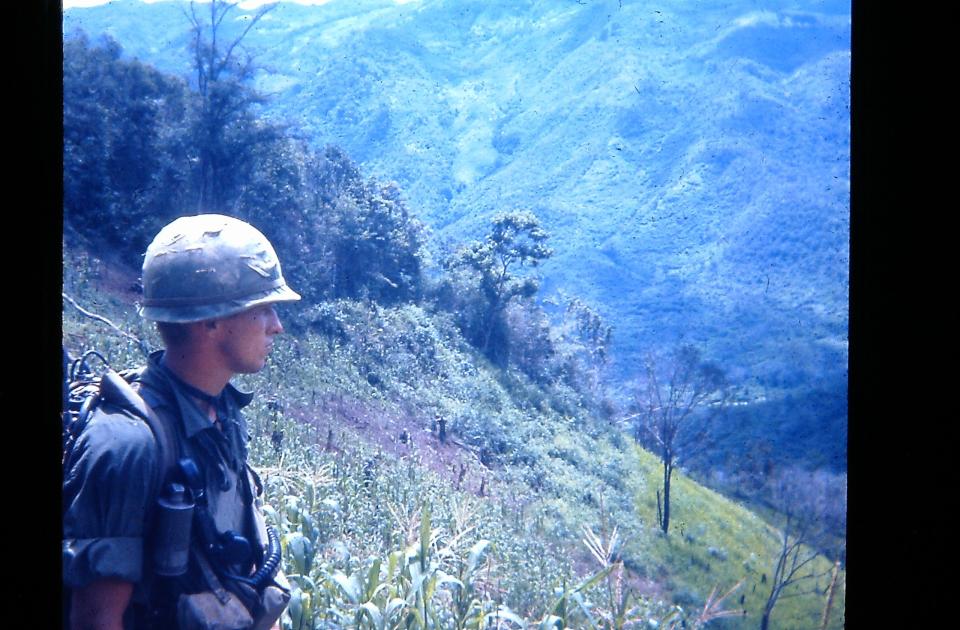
column 691, row 159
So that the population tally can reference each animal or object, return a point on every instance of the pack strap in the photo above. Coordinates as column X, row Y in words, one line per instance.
column 115, row 390
column 210, row 576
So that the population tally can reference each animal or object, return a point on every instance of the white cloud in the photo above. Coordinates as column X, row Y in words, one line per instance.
column 757, row 17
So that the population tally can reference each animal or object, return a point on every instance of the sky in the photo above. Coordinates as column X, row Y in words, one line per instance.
column 244, row 4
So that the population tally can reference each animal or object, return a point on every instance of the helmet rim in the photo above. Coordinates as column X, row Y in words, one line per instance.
column 201, row 312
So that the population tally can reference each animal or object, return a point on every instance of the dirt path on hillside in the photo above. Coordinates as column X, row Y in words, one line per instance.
column 399, row 436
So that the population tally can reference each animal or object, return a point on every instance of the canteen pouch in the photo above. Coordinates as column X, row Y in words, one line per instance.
column 274, row 602
column 265, row 606
column 212, row 611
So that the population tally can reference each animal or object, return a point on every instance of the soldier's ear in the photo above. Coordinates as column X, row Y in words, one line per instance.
column 204, row 328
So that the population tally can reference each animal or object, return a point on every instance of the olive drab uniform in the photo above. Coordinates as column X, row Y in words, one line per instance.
column 107, row 533
column 197, row 268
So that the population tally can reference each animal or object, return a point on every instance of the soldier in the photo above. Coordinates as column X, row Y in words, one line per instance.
column 210, row 283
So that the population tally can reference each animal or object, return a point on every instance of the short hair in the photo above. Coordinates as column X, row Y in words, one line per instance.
column 174, row 335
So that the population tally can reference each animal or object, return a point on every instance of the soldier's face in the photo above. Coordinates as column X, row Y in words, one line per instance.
column 247, row 338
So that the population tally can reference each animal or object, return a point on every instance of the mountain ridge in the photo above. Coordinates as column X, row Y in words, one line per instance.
column 691, row 163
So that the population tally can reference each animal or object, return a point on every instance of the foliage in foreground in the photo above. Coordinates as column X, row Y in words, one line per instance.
column 432, row 566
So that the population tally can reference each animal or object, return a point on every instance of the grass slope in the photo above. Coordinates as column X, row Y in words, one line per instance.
column 342, row 432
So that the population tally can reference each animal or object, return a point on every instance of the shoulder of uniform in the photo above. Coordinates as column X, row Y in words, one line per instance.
column 120, row 433
column 150, row 385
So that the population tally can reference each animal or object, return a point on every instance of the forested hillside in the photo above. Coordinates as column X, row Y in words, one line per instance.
column 448, row 411
column 691, row 165
column 418, row 485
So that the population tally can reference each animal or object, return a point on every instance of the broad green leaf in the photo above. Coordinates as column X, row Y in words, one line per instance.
column 292, row 509
column 373, row 612
column 271, row 515
column 349, row 585
column 430, row 587
column 476, row 552
column 424, row 535
column 306, row 525
column 304, row 582
column 414, row 619
column 301, row 610
column 591, row 581
column 295, row 608
column 373, row 580
column 505, row 613
column 393, row 606
column 445, row 578
column 301, row 551
column 416, row 579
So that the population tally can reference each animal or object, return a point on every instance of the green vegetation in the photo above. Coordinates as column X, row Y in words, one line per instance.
column 515, row 240
column 727, row 224
column 511, row 519
column 438, row 444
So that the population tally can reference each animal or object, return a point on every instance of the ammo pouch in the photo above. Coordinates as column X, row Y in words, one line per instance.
column 273, row 601
column 240, row 608
column 221, row 609
column 207, row 611
column 212, row 610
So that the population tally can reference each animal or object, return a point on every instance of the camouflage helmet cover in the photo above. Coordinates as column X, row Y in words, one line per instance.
column 209, row 265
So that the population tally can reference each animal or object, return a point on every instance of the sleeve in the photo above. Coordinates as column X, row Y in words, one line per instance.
column 107, row 490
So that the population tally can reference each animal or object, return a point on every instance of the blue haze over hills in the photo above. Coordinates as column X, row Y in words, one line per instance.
column 690, row 159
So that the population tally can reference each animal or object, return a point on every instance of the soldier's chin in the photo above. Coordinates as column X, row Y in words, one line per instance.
column 252, row 369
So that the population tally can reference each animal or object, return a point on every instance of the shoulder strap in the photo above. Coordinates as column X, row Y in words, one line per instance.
column 116, row 390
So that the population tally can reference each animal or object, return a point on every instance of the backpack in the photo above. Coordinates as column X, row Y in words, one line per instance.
column 86, row 392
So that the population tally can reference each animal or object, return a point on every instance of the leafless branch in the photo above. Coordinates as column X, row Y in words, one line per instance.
column 100, row 318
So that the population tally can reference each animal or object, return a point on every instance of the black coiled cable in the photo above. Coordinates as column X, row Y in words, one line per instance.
column 268, row 570
column 80, row 369
column 272, row 561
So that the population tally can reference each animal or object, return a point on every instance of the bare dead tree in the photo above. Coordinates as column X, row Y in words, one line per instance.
column 141, row 344
column 674, row 402
column 807, row 509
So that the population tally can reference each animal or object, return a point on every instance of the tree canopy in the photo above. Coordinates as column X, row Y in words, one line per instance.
column 515, row 240
column 140, row 150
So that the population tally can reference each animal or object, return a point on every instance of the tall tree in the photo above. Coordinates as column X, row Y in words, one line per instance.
column 516, row 240
column 374, row 244
column 125, row 157
column 674, row 401
column 226, row 131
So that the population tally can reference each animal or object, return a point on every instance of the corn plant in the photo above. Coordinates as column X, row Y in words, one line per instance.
column 427, row 585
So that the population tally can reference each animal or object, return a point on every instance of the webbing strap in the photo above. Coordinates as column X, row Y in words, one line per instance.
column 114, row 389
column 210, row 576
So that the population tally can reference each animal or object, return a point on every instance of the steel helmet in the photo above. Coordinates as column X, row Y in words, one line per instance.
column 207, row 266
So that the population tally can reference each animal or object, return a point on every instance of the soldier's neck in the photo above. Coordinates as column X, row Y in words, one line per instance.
column 197, row 369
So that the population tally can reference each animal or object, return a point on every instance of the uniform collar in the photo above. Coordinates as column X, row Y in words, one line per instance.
column 193, row 419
